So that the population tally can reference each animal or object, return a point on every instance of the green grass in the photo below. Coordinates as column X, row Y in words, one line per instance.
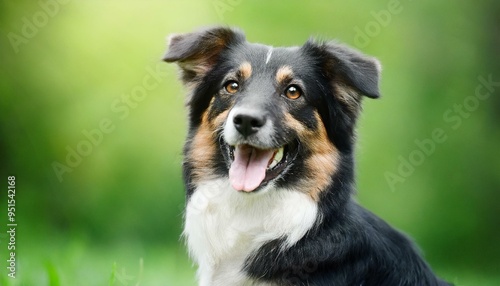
column 76, row 262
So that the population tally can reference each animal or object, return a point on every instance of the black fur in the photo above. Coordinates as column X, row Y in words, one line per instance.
column 348, row 245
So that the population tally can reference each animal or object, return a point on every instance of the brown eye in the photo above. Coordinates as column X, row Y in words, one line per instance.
column 293, row 92
column 232, row 86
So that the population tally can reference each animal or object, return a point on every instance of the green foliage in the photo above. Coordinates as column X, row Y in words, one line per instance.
column 112, row 279
column 92, row 126
column 52, row 274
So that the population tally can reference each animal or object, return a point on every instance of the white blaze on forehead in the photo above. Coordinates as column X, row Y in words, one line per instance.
column 269, row 53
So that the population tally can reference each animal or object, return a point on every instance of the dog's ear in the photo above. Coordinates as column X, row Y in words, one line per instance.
column 355, row 69
column 352, row 73
column 196, row 53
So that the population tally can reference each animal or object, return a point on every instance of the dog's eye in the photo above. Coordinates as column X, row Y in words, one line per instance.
column 232, row 86
column 293, row 92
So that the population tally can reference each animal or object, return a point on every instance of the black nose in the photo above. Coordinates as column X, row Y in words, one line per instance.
column 248, row 124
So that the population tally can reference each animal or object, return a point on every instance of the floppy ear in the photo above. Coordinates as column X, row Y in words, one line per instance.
column 354, row 69
column 196, row 53
column 351, row 73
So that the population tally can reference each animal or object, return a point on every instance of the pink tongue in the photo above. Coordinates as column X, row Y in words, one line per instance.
column 248, row 169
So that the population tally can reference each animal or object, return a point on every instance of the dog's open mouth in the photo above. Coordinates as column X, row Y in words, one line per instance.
column 251, row 167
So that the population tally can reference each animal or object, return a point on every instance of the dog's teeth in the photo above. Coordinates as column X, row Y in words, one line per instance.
column 279, row 155
column 273, row 163
column 277, row 158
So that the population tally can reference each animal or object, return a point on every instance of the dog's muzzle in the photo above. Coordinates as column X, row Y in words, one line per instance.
column 254, row 156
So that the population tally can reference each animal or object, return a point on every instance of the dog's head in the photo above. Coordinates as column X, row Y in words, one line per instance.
column 264, row 116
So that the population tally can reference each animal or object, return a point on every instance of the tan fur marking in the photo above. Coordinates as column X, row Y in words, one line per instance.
column 324, row 160
column 284, row 73
column 349, row 97
column 245, row 70
column 202, row 150
column 219, row 120
column 203, row 147
column 294, row 123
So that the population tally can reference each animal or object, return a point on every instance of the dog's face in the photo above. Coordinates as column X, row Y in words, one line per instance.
column 267, row 117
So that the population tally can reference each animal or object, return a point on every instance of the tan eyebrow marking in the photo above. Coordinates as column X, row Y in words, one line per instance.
column 245, row 70
column 284, row 73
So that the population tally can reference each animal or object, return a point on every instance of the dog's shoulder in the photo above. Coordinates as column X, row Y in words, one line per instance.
column 358, row 248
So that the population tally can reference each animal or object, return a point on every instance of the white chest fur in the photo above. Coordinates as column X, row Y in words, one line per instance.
column 224, row 226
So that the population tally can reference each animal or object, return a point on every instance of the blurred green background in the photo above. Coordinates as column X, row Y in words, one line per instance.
column 92, row 126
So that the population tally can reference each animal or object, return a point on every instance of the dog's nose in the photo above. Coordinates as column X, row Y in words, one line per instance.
column 248, row 124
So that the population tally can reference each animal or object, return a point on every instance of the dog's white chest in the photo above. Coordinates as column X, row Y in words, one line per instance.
column 224, row 226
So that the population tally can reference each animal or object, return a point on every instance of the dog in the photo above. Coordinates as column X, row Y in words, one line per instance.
column 269, row 166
